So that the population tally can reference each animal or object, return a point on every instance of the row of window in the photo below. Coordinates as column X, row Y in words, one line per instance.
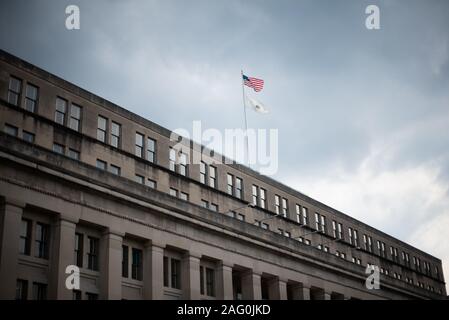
column 110, row 132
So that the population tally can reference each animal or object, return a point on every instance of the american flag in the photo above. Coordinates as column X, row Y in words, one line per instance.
column 256, row 84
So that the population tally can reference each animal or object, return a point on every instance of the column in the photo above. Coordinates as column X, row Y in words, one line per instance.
column 305, row 292
column 251, row 286
column 190, row 276
column 111, row 265
column 10, row 222
column 224, row 281
column 153, row 272
column 62, row 255
column 277, row 289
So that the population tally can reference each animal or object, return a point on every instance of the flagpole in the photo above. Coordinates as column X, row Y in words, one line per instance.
column 246, row 121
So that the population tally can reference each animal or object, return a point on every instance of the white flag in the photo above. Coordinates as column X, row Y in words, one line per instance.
column 256, row 105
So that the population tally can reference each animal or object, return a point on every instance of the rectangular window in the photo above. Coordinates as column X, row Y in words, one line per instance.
column 76, row 295
column 212, row 176
column 172, row 159
column 334, row 228
column 277, row 205
column 102, row 165
column 255, row 194
column 114, row 169
column 21, row 289
column 74, row 154
column 238, row 187
column 356, row 238
column 298, row 213
column 14, row 90
column 92, row 254
column 203, row 172
column 305, row 216
column 58, row 148
column 201, row 280
column 91, row 296
column 175, row 273
column 173, row 192
column 102, row 126
column 79, row 249
column 323, row 224
column 116, row 130
column 31, row 95
column 11, row 130
column 136, row 272
column 204, row 204
column 166, row 272
column 139, row 179
column 351, row 241
column 213, row 207
column 151, row 183
column 139, row 145
column 184, row 196
column 61, row 109
column 151, row 150
column 263, row 198
column 230, row 182
column 284, row 207
column 210, row 282
column 317, row 221
column 182, row 164
column 28, row 136
column 42, row 239
column 75, row 117
column 39, row 291
column 125, row 261
column 25, row 237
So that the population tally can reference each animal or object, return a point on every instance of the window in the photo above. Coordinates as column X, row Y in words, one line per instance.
column 116, row 130
column 334, row 228
column 204, row 204
column 307, row 242
column 298, row 213
column 255, row 194
column 353, row 237
column 262, row 225
column 151, row 183
column 175, row 273
column 31, row 95
column 305, row 216
column 11, row 130
column 114, row 169
column 21, row 289
column 139, row 179
column 41, row 240
column 263, row 201
column 102, row 165
column 238, row 187
column 203, row 172
column 323, row 224
column 317, row 221
column 182, row 164
column 76, row 295
column 75, row 117
column 102, row 126
column 184, row 196
column 212, row 176
column 125, row 261
column 381, row 248
column 210, row 282
column 92, row 254
column 136, row 271
column 213, row 207
column 73, row 154
column 58, row 148
column 173, row 192
column 230, row 181
column 28, row 136
column 61, row 109
column 151, row 150
column 172, row 159
column 351, row 240
column 277, row 205
column 25, row 237
column 39, row 291
column 14, row 90
column 284, row 207
column 79, row 249
column 368, row 243
column 139, row 145
column 356, row 238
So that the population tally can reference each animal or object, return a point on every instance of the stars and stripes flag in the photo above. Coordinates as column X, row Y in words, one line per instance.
column 256, row 84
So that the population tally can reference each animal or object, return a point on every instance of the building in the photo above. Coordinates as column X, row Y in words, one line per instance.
column 85, row 182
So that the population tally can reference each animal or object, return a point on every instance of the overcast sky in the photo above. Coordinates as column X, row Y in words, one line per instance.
column 363, row 115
